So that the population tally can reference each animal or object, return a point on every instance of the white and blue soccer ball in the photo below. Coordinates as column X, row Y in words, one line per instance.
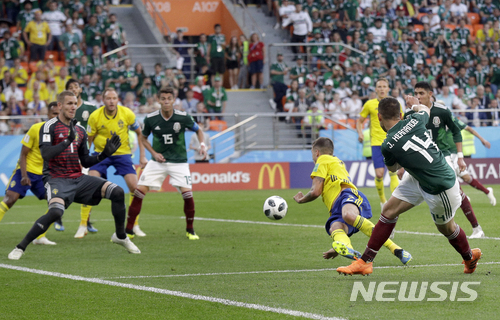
column 275, row 208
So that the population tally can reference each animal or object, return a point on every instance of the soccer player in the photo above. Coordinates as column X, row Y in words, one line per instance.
column 63, row 145
column 439, row 120
column 168, row 157
column 428, row 178
column 349, row 209
column 82, row 115
column 110, row 119
column 377, row 136
column 28, row 173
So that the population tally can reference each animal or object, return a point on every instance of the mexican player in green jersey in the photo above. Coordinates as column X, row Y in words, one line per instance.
column 168, row 157
column 82, row 115
column 428, row 178
column 441, row 121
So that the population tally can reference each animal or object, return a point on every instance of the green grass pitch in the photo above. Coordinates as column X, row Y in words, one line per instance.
column 275, row 266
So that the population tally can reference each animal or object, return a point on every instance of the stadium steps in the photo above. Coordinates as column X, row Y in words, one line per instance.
column 138, row 32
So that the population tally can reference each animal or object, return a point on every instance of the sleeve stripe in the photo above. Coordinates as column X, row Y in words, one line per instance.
column 48, row 124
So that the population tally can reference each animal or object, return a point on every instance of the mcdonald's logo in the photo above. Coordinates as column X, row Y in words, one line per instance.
column 272, row 172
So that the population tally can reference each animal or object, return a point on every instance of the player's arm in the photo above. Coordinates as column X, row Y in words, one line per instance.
column 25, row 180
column 415, row 104
column 145, row 142
column 389, row 159
column 50, row 151
column 394, row 167
column 483, row 141
column 457, row 138
column 359, row 128
column 201, row 138
column 315, row 192
column 142, row 158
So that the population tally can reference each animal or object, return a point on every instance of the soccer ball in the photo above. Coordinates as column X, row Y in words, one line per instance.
column 275, row 208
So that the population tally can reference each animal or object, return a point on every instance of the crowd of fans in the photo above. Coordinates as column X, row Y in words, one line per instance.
column 454, row 45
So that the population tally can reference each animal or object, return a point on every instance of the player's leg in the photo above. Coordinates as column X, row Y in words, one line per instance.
column 38, row 189
column 8, row 201
column 341, row 244
column 131, row 180
column 13, row 192
column 378, row 164
column 477, row 185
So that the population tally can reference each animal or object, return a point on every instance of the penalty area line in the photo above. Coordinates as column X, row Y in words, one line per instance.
column 172, row 293
column 314, row 226
column 289, row 271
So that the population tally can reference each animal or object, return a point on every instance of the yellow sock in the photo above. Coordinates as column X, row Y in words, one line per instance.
column 379, row 184
column 45, row 233
column 366, row 226
column 340, row 236
column 3, row 209
column 85, row 213
column 136, row 223
column 394, row 180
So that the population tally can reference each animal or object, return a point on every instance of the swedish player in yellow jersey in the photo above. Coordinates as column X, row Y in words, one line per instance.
column 377, row 136
column 109, row 119
column 349, row 209
column 28, row 173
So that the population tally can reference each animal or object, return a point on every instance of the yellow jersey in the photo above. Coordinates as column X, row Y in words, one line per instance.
column 102, row 127
column 37, row 32
column 333, row 170
column 370, row 110
column 34, row 161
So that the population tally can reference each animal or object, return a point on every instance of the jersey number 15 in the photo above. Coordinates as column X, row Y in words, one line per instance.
column 168, row 139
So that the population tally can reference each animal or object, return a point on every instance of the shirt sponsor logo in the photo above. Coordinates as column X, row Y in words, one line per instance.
column 227, row 177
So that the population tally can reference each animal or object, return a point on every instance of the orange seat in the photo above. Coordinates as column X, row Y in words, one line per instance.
column 431, row 51
column 60, row 63
column 470, row 27
column 351, row 123
column 473, row 49
column 25, row 66
column 33, row 67
column 421, row 15
column 451, row 26
column 477, row 27
column 474, row 18
column 54, row 54
column 337, row 126
column 418, row 28
column 218, row 125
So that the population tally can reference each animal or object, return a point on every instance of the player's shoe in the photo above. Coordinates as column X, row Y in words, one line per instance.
column 477, row 233
column 138, row 232
column 45, row 241
column 81, row 232
column 345, row 251
column 192, row 235
column 129, row 245
column 90, row 227
column 58, row 226
column 16, row 254
column 403, row 255
column 130, row 233
column 469, row 265
column 357, row 267
column 493, row 200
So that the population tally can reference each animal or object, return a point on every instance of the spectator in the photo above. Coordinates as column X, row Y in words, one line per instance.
column 200, row 110
column 98, row 101
column 299, row 72
column 183, row 85
column 4, row 125
column 300, row 105
column 115, row 36
column 328, row 90
column 158, row 76
column 320, row 102
column 42, row 93
column 77, row 24
column 12, row 91
column 110, row 76
column 19, row 74
column 146, row 91
column 302, row 25
column 484, row 100
column 201, row 53
column 335, row 108
column 216, row 98
column 476, row 118
column 128, row 79
column 194, row 144
column 183, row 59
column 89, row 88
column 313, row 122
column 61, row 79
column 36, row 105
column 395, row 93
column 216, row 49
column 199, row 88
column 14, row 108
column 141, row 75
column 458, row 10
column 379, row 31
column 343, row 91
column 10, row 48
column 278, row 71
column 25, row 16
column 55, row 20
column 39, row 37
column 352, row 106
column 68, row 38
column 366, row 89
column 170, row 80
column 130, row 102
column 52, row 90
column 256, row 59
column 189, row 103
column 292, row 94
column 92, row 35
column 233, row 55
column 446, row 97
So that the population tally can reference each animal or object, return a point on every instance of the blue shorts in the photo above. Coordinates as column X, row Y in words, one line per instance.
column 377, row 157
column 351, row 196
column 37, row 185
column 256, row 67
column 123, row 165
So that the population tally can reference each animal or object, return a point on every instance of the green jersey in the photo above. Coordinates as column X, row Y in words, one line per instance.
column 92, row 35
column 10, row 49
column 168, row 134
column 89, row 92
column 25, row 17
column 278, row 67
column 215, row 96
column 68, row 39
column 441, row 121
column 83, row 113
column 217, row 44
column 449, row 134
column 82, row 70
column 410, row 145
column 127, row 74
column 106, row 75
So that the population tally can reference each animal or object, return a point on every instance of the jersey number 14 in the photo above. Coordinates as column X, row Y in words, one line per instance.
column 421, row 148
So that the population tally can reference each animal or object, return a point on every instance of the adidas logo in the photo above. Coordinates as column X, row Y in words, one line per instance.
column 157, row 128
column 61, row 135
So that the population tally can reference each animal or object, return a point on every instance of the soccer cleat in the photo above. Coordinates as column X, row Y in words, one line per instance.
column 477, row 233
column 469, row 265
column 129, row 245
column 493, row 200
column 130, row 233
column 403, row 255
column 81, row 232
column 138, row 232
column 345, row 251
column 192, row 235
column 16, row 254
column 58, row 226
column 90, row 227
column 45, row 241
column 357, row 267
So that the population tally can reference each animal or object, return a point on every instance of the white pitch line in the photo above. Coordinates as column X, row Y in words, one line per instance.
column 314, row 226
column 286, row 271
column 173, row 293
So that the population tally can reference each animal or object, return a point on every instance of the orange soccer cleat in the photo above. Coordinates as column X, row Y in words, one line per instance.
column 470, row 265
column 357, row 267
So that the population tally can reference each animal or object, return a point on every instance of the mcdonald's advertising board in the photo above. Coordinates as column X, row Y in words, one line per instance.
column 236, row 176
